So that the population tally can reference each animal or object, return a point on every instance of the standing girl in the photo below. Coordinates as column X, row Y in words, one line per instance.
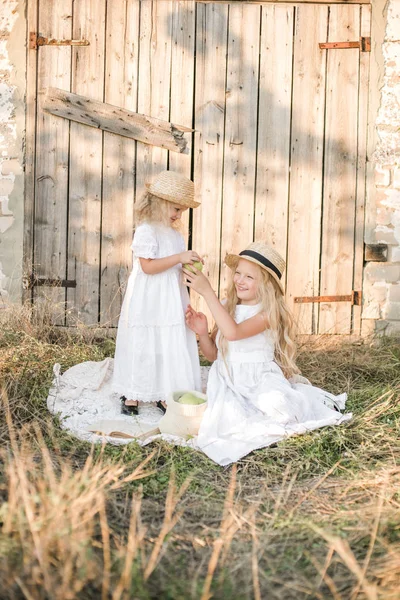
column 255, row 394
column 156, row 353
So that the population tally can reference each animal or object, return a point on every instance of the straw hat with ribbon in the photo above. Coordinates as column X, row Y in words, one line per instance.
column 262, row 255
column 173, row 187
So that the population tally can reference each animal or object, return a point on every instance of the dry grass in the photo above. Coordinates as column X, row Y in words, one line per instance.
column 316, row 516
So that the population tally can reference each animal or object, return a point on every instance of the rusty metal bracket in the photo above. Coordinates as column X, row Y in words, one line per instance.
column 36, row 40
column 33, row 281
column 355, row 298
column 364, row 44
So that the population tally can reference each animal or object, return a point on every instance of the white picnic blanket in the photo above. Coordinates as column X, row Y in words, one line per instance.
column 85, row 403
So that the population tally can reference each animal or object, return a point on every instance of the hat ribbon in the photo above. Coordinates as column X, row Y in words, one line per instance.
column 267, row 263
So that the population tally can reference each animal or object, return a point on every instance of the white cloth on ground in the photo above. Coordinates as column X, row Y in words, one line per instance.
column 155, row 353
column 83, row 396
column 252, row 405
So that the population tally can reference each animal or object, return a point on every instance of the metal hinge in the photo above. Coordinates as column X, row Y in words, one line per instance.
column 36, row 40
column 355, row 298
column 364, row 44
column 33, row 281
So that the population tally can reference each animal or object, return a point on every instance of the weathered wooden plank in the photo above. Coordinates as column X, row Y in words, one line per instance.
column 154, row 83
column 182, row 85
column 240, row 132
column 86, row 146
column 115, row 119
column 365, row 30
column 211, row 45
column 122, row 49
column 54, row 67
column 340, row 164
column 275, row 91
column 258, row 2
column 30, row 136
column 306, row 162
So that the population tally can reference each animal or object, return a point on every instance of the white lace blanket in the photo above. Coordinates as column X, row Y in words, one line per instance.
column 84, row 401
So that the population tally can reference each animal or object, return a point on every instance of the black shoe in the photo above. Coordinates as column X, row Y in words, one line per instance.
column 161, row 406
column 128, row 410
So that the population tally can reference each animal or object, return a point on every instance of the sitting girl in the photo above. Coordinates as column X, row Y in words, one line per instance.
column 255, row 394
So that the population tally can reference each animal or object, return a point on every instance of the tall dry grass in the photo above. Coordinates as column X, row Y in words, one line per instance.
column 316, row 516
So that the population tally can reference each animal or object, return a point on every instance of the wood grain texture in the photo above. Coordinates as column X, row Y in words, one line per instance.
column 115, row 119
column 30, row 141
column 154, row 83
column 86, row 159
column 182, row 87
column 273, row 149
column 240, row 133
column 51, row 193
column 340, row 166
column 365, row 30
column 122, row 52
column 306, row 163
column 211, row 43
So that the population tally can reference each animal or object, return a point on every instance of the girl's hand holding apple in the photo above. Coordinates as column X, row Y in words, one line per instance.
column 197, row 281
column 189, row 257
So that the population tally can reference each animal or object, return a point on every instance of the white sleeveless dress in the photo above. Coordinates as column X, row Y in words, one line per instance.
column 252, row 405
column 155, row 352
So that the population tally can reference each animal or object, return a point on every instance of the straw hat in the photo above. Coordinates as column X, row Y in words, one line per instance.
column 175, row 188
column 264, row 256
column 182, row 420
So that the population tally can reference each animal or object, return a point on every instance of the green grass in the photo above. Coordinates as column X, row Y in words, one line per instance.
column 302, row 519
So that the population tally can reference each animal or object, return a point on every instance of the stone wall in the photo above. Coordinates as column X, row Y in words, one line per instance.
column 12, row 129
column 382, row 279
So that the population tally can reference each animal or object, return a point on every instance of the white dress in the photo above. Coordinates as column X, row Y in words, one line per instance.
column 251, row 404
column 155, row 353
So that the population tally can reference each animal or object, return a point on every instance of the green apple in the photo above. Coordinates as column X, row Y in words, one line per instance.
column 189, row 398
column 197, row 265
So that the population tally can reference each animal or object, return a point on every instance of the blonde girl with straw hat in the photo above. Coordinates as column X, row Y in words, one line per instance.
column 156, row 353
column 256, row 395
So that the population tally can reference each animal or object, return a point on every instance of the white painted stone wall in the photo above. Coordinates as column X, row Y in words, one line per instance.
column 382, row 279
column 12, row 128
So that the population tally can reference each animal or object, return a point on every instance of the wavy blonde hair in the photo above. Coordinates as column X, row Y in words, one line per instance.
column 278, row 319
column 152, row 209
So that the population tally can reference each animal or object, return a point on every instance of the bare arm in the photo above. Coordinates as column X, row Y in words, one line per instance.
column 208, row 347
column 152, row 266
column 231, row 330
column 197, row 322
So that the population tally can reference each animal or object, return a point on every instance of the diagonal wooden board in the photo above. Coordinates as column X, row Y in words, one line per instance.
column 114, row 119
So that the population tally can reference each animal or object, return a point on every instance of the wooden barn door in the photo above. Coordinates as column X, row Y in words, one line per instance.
column 278, row 152
column 281, row 147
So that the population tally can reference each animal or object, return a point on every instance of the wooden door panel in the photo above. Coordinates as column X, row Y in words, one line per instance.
column 85, row 175
column 210, row 100
column 340, row 164
column 304, row 245
column 119, row 155
column 52, row 148
column 274, row 123
column 240, row 132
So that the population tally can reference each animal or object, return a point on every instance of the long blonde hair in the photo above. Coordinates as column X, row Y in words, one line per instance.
column 278, row 319
column 152, row 209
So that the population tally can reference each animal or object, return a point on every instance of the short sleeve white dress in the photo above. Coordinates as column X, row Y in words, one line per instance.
column 155, row 352
column 252, row 405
